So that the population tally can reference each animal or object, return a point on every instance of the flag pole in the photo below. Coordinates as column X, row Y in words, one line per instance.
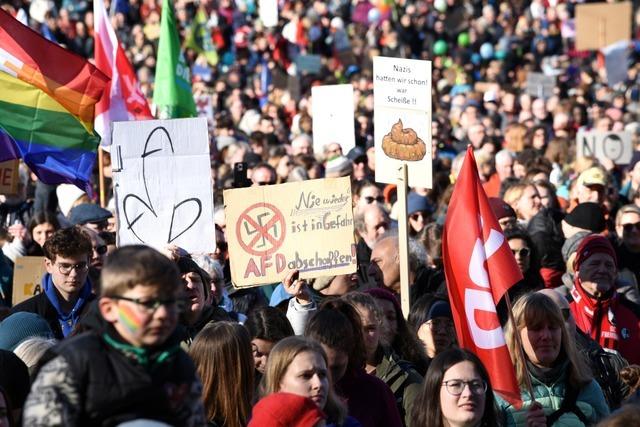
column 101, row 176
column 403, row 241
column 521, row 355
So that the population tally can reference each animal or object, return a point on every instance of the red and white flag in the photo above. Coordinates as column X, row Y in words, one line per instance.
column 125, row 101
column 479, row 269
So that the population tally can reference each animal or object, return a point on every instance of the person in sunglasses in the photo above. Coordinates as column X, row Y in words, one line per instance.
column 628, row 244
column 522, row 248
column 128, row 364
column 98, row 256
column 65, row 290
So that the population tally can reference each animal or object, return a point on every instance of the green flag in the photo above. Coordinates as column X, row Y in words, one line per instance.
column 172, row 94
column 199, row 38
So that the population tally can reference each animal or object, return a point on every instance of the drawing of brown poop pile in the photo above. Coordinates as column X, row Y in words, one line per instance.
column 403, row 144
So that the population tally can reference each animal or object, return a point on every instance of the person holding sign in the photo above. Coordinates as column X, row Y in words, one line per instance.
column 66, row 289
column 547, row 359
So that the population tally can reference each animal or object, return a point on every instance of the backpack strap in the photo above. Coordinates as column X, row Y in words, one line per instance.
column 568, row 405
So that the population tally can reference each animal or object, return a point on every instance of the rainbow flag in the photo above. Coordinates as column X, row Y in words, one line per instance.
column 47, row 99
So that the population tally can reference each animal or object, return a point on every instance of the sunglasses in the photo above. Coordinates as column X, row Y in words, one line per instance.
column 101, row 250
column 370, row 199
column 523, row 252
column 266, row 183
column 630, row 226
column 418, row 215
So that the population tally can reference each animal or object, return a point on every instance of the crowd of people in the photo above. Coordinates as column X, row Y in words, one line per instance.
column 118, row 335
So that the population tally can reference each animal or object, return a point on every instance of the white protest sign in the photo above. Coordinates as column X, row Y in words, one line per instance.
column 333, row 117
column 268, row 10
column 615, row 60
column 305, row 225
column 402, row 119
column 163, row 188
column 615, row 146
column 540, row 85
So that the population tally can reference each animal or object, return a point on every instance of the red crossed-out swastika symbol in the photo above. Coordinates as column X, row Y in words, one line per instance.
column 261, row 229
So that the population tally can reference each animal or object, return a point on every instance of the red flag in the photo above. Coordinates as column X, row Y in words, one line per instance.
column 125, row 101
column 479, row 268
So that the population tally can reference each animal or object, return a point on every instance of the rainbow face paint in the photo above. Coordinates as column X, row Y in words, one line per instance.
column 128, row 318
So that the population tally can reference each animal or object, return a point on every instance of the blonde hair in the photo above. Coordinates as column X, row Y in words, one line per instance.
column 281, row 357
column 514, row 137
column 531, row 311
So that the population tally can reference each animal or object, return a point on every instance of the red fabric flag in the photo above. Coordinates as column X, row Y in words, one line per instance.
column 479, row 268
column 125, row 101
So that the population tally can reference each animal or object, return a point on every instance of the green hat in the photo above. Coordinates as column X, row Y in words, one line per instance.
column 440, row 48
column 463, row 39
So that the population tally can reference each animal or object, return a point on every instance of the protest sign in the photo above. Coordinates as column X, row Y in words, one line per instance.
column 268, row 10
column 615, row 146
column 304, row 225
column 540, row 85
column 601, row 24
column 27, row 274
column 615, row 60
column 9, row 177
column 333, row 117
column 402, row 119
column 162, row 181
column 308, row 64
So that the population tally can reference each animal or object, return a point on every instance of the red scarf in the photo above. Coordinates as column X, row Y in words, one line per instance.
column 594, row 316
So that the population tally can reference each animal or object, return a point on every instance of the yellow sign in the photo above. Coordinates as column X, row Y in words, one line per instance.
column 306, row 226
column 27, row 276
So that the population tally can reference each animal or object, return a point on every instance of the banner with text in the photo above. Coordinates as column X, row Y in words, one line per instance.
column 615, row 146
column 9, row 177
column 304, row 225
column 163, row 186
column 402, row 119
column 27, row 275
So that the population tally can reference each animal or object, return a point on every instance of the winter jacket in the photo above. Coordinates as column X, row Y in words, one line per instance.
column 550, row 394
column 98, row 379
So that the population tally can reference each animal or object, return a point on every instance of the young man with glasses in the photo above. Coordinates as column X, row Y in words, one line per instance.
column 65, row 289
column 128, row 365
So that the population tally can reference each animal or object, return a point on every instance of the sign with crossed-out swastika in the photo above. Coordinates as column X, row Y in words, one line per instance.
column 261, row 229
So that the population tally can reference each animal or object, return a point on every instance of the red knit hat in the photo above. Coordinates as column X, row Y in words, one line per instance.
column 285, row 410
column 593, row 244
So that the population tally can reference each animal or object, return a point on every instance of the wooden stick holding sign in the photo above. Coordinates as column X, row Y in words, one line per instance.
column 402, row 127
column 403, row 243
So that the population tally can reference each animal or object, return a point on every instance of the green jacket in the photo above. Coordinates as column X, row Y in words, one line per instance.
column 590, row 401
column 404, row 381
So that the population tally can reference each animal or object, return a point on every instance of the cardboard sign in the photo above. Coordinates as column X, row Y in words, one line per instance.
column 615, row 146
column 9, row 177
column 163, row 188
column 402, row 119
column 304, row 225
column 308, row 64
column 268, row 10
column 540, row 85
column 333, row 117
column 27, row 276
column 601, row 24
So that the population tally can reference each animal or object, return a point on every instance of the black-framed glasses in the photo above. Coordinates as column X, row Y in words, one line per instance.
column 456, row 387
column 151, row 305
column 370, row 199
column 524, row 252
column 101, row 250
column 65, row 268
column 441, row 324
column 630, row 226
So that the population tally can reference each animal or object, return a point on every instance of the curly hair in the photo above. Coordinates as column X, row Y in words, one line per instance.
column 67, row 243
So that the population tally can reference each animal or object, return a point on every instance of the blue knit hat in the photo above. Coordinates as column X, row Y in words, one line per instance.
column 20, row 326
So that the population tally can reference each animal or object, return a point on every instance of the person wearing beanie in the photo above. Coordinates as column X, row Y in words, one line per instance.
column 286, row 410
column 17, row 327
column 504, row 213
column 337, row 167
column 198, row 310
column 599, row 311
column 587, row 216
column 419, row 211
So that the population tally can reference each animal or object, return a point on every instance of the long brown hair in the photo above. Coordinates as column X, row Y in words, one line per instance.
column 222, row 355
column 531, row 310
column 281, row 356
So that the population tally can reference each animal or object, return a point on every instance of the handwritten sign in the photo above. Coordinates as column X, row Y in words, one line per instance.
column 162, row 176
column 27, row 276
column 302, row 225
column 311, row 64
column 601, row 24
column 9, row 177
column 540, row 85
column 402, row 119
column 333, row 117
column 615, row 146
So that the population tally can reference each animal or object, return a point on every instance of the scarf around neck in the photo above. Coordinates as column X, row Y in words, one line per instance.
column 67, row 320
column 594, row 316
